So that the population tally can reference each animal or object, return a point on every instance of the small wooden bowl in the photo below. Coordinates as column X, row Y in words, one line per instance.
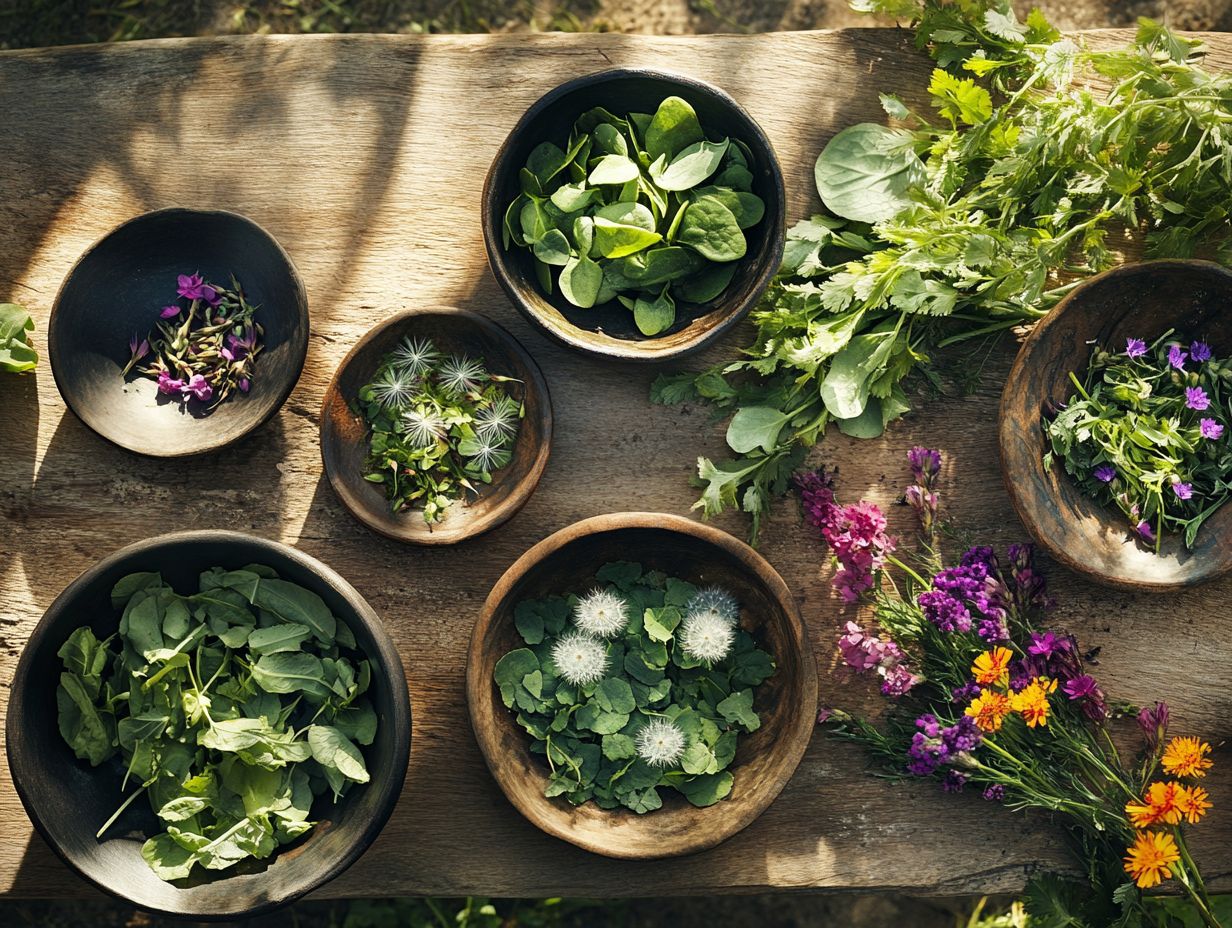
column 701, row 554
column 608, row 330
column 67, row 799
column 1140, row 301
column 116, row 289
column 344, row 435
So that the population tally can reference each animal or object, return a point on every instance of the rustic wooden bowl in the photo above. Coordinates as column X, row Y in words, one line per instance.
column 700, row 554
column 67, row 799
column 608, row 330
column 344, row 436
column 1135, row 300
column 116, row 289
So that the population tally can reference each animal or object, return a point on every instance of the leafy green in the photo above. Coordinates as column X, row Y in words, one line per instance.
column 230, row 708
column 17, row 353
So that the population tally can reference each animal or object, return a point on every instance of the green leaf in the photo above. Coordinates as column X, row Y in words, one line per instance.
column 706, row 790
column 613, row 169
column 545, row 162
column 756, row 427
column 285, row 636
column 619, row 747
column 748, row 208
column 82, row 726
column 331, row 748
column 706, row 285
column 738, row 709
column 17, row 353
column 292, row 603
column 615, row 239
column 959, row 100
column 661, row 624
column 654, row 316
column 580, row 280
column 553, row 248
column 673, row 128
column 690, row 167
column 570, row 198
column 168, row 859
column 866, row 172
column 614, row 695
column 293, row 672
column 712, row 231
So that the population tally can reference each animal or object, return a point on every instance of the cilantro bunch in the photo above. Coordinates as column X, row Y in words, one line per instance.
column 644, row 682
column 1144, row 433
column 963, row 222
column 230, row 709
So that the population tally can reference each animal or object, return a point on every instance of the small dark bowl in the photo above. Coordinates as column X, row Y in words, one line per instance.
column 608, row 330
column 67, row 799
column 701, row 554
column 116, row 289
column 1140, row 301
column 344, row 436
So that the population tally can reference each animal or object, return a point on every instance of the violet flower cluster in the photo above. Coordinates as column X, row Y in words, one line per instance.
column 855, row 533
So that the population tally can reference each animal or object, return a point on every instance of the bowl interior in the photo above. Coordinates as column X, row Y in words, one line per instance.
column 765, row 759
column 116, row 290
column 1141, row 301
column 609, row 328
column 344, row 436
column 68, row 799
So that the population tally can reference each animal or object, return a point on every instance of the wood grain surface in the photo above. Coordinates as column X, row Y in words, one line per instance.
column 365, row 157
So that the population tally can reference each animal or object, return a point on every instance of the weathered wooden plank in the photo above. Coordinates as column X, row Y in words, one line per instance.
column 365, row 155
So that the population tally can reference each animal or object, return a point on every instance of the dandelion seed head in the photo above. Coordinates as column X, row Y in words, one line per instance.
column 707, row 637
column 579, row 658
column 714, row 601
column 660, row 743
column 489, row 453
column 460, row 374
column 499, row 420
column 601, row 613
column 415, row 356
column 394, row 388
column 423, row 427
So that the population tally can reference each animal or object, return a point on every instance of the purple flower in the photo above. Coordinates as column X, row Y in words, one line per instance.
column 963, row 736
column 995, row 793
column 863, row 651
column 1081, row 687
column 1044, row 644
column 199, row 387
column 1200, row 351
column 169, row 311
column 168, row 384
column 1105, row 473
column 898, row 681
column 924, row 502
column 1177, row 356
column 953, row 781
column 965, row 693
column 1183, row 490
column 816, row 489
column 925, row 463
column 1135, row 347
column 1210, row 428
column 944, row 611
column 1143, row 529
column 243, row 384
column 139, row 349
column 994, row 631
column 823, row 715
column 1154, row 724
column 194, row 287
column 1195, row 398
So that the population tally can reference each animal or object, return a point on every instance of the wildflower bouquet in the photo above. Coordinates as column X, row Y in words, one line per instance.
column 439, row 425
column 1143, row 433
column 986, row 693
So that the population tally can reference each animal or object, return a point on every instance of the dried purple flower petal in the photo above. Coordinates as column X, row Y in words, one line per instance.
column 1200, row 351
column 1134, row 347
column 1105, row 473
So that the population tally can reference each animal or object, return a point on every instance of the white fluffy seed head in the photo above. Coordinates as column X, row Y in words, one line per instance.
column 579, row 658
column 500, row 420
column 715, row 601
column 415, row 355
column 459, row 374
column 707, row 637
column 660, row 743
column 394, row 388
column 601, row 614
column 423, row 426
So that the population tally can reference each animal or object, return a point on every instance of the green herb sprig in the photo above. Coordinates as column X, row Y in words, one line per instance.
column 1144, row 433
column 967, row 222
column 17, row 354
column 644, row 208
column 644, row 682
column 439, row 426
column 230, row 709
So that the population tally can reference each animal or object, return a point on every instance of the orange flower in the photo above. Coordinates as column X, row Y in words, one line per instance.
column 992, row 668
column 1160, row 804
column 1150, row 859
column 1186, row 757
column 1192, row 803
column 1031, row 702
column 989, row 710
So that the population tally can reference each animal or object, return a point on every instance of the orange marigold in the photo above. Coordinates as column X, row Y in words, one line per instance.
column 1031, row 702
column 1192, row 803
column 1160, row 804
column 989, row 710
column 1186, row 757
column 992, row 668
column 1150, row 858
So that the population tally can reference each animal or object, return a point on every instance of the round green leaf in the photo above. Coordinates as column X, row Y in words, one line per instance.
column 615, row 240
column 689, row 168
column 673, row 127
column 865, row 172
column 553, row 248
column 580, row 280
column 710, row 228
column 613, row 169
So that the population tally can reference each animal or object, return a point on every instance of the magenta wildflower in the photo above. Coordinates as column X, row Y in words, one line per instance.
column 1044, row 644
column 823, row 715
column 1080, row 687
column 925, row 463
column 194, row 287
column 1183, row 490
column 169, row 312
column 199, row 387
column 1154, row 724
column 138, row 349
column 1143, row 529
column 1200, row 351
column 1196, row 398
column 898, row 680
column 169, row 385
column 1134, row 347
column 995, row 793
column 243, row 384
column 1210, row 428
column 1177, row 356
column 953, row 781
column 863, row 651
column 1105, row 473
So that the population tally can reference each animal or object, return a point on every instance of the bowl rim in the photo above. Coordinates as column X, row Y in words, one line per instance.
column 612, row 348
column 386, row 656
column 1020, row 374
column 521, row 493
column 479, row 687
column 53, row 347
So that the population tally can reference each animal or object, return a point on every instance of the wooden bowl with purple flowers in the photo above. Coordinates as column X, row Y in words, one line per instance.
column 106, row 318
column 1134, row 301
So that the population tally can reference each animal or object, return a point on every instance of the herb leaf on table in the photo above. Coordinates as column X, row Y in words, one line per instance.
column 17, row 354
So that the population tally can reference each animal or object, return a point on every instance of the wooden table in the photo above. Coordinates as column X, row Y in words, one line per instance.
column 365, row 155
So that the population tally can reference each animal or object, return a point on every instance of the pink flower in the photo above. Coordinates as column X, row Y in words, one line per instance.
column 898, row 681
column 862, row 651
column 1210, row 428
column 244, row 385
column 169, row 311
column 199, row 387
column 168, row 384
column 194, row 287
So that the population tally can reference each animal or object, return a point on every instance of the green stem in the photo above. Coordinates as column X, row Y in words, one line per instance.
column 116, row 814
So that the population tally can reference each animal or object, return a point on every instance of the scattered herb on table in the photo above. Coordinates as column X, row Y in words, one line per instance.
column 985, row 692
column 17, row 354
column 643, row 208
column 230, row 709
column 439, row 425
column 204, row 346
column 1144, row 433
column 965, row 222
column 644, row 682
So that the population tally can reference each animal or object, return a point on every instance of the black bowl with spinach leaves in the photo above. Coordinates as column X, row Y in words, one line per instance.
column 68, row 799
column 746, row 170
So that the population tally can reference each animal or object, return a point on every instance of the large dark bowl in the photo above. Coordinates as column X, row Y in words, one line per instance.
column 116, row 289
column 1140, row 301
column 703, row 555
column 68, row 800
column 344, row 435
column 608, row 330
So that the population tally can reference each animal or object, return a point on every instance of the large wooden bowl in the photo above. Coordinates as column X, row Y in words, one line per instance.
column 787, row 702
column 608, row 330
column 344, row 435
column 1136, row 300
column 68, row 800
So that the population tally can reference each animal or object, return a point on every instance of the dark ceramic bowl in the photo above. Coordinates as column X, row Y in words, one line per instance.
column 344, row 436
column 787, row 702
column 608, row 330
column 68, row 800
column 1140, row 301
column 116, row 289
